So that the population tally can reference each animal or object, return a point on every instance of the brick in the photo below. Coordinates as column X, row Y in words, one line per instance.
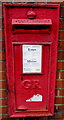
column 59, row 116
column 29, row 1
column 62, row 92
column 0, row 117
column 38, row 0
column 61, row 55
column 3, row 110
column 62, row 12
column 3, row 102
column 0, row 11
column 22, row 0
column 0, row 22
column 25, row 0
column 59, row 84
column 2, row 44
column 3, row 84
column 56, row 0
column 0, row 3
column 56, row 91
column 60, row 65
column 2, row 66
column 61, row 35
column 60, row 74
column 61, row 107
column 59, row 100
column 61, row 24
column 6, row 0
column 1, row 33
column 61, row 2
column 59, row 92
column 2, row 75
column 3, row 93
column 2, row 55
column 61, row 45
column 4, row 117
column 36, row 118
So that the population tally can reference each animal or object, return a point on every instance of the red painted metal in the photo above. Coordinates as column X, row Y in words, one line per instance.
column 45, row 25
column 31, row 14
column 31, row 24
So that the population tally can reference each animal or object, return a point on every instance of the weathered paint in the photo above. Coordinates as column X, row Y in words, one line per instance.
column 38, row 28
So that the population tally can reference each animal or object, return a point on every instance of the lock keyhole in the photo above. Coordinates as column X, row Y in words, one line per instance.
column 22, row 78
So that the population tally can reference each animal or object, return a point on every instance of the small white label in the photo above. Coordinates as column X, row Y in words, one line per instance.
column 35, row 98
column 32, row 58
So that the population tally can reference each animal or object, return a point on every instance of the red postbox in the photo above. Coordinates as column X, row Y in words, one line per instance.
column 31, row 38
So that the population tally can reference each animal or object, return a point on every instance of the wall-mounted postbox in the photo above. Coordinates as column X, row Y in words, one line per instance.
column 31, row 38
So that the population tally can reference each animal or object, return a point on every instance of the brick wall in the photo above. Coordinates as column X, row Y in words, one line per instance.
column 59, row 97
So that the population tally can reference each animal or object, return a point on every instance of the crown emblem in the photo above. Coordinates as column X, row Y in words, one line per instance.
column 31, row 14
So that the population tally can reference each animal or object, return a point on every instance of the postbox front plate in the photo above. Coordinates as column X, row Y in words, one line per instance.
column 31, row 38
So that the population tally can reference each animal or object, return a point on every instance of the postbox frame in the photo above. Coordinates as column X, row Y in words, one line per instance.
column 11, row 83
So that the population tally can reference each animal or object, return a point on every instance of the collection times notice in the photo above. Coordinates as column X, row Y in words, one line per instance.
column 32, row 58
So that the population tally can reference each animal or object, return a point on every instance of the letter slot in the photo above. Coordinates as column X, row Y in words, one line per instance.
column 31, row 26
